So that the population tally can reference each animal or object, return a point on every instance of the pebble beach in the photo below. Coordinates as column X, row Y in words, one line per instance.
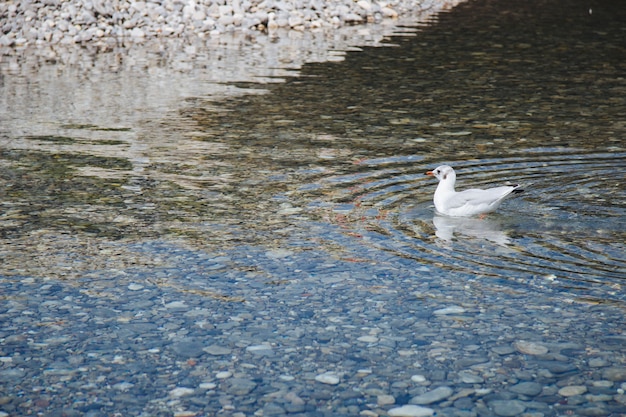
column 69, row 22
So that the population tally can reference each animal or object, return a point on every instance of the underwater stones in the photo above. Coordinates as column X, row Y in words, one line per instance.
column 572, row 390
column 411, row 411
column 615, row 374
column 328, row 378
column 436, row 395
column 507, row 408
column 530, row 348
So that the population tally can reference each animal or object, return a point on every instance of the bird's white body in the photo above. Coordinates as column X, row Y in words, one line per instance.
column 466, row 203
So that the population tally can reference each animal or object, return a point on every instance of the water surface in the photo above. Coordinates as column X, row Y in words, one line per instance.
column 303, row 195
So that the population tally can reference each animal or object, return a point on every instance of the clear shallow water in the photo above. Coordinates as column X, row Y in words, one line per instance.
column 298, row 216
column 561, row 233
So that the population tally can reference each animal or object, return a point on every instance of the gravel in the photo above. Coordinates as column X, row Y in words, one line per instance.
column 79, row 22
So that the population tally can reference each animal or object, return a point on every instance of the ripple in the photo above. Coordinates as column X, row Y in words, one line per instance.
column 562, row 234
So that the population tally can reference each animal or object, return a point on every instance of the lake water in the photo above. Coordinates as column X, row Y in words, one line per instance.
column 238, row 223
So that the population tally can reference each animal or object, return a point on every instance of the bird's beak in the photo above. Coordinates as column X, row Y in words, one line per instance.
column 432, row 174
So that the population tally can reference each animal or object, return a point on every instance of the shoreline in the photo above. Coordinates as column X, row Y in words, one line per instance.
column 54, row 22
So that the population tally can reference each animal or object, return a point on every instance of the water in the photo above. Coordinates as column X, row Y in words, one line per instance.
column 297, row 195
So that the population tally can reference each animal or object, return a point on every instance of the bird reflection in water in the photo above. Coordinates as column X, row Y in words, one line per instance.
column 449, row 228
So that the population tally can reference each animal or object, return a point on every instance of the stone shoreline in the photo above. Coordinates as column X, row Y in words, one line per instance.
column 47, row 22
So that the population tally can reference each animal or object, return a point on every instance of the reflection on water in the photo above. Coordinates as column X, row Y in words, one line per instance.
column 498, row 94
column 448, row 227
column 170, row 247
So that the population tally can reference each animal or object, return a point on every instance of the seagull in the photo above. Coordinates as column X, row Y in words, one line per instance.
column 470, row 202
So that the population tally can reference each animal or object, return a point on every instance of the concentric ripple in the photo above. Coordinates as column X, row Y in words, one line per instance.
column 565, row 232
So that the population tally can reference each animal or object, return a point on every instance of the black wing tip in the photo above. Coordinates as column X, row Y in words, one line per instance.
column 517, row 189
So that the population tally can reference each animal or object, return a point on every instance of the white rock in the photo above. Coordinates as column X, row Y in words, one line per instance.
column 436, row 395
column 389, row 12
column 176, row 304
column 329, row 378
column 449, row 310
column 181, row 392
column 572, row 390
column 385, row 400
column 123, row 386
column 368, row 339
column 530, row 348
column 411, row 411
column 258, row 348
column 137, row 33
column 364, row 4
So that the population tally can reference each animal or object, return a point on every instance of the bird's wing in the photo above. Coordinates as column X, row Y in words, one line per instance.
column 475, row 197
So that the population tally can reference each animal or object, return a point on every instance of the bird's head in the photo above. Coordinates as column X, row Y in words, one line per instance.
column 443, row 173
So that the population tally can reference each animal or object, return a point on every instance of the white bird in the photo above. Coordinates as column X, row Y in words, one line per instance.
column 466, row 203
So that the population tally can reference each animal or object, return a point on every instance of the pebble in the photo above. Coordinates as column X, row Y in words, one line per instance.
column 469, row 377
column 385, row 400
column 572, row 390
column 75, row 21
column 436, row 395
column 188, row 348
column 507, row 408
column 530, row 348
column 615, row 374
column 449, row 310
column 123, row 386
column 181, row 392
column 216, row 350
column 260, row 350
column 328, row 378
column 411, row 411
column 529, row 389
column 240, row 386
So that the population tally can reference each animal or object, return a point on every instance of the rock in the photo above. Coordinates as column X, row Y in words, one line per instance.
column 123, row 386
column 503, row 350
column 329, row 378
column 469, row 377
column 557, row 367
column 368, row 339
column 615, row 374
column 598, row 362
column 385, row 400
column 530, row 348
column 260, row 350
column 411, row 411
column 436, row 395
column 189, row 348
column 137, row 33
column 240, row 386
column 181, row 392
column 449, row 310
column 572, row 390
column 507, row 408
column 529, row 389
column 216, row 350
column 273, row 409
